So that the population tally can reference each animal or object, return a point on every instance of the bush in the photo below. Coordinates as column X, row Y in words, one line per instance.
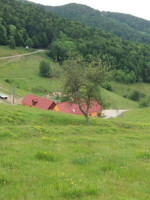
column 45, row 70
column 144, row 103
column 119, row 75
column 98, row 114
column 107, row 86
column 8, row 80
column 135, row 95
column 130, row 77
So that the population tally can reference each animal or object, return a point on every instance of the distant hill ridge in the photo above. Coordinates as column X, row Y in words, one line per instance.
column 123, row 25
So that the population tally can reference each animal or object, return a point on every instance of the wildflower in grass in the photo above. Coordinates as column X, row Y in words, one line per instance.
column 38, row 128
column 82, row 174
column 45, row 153
column 72, row 183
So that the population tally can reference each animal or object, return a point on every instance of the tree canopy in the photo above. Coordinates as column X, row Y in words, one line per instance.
column 125, row 26
column 82, row 81
column 29, row 24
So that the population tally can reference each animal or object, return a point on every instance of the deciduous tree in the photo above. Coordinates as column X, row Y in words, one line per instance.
column 82, row 83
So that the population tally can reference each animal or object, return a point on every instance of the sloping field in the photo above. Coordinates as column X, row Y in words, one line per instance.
column 22, row 73
column 47, row 155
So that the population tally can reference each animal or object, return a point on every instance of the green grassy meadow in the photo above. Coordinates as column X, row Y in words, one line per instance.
column 23, row 73
column 48, row 155
column 123, row 89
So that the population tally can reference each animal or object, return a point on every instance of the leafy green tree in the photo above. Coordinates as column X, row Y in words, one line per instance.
column 130, row 77
column 58, row 51
column 3, row 35
column 12, row 30
column 29, row 42
column 19, row 38
column 44, row 69
column 35, row 42
column 82, row 83
column 12, row 43
column 62, row 50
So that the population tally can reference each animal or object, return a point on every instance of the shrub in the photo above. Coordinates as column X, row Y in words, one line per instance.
column 144, row 103
column 119, row 75
column 135, row 95
column 98, row 114
column 44, row 68
column 8, row 80
column 130, row 77
column 107, row 86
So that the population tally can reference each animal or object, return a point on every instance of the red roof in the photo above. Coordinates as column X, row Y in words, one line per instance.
column 38, row 102
column 65, row 107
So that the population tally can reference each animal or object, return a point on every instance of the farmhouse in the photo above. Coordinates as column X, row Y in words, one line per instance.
column 37, row 102
column 66, row 107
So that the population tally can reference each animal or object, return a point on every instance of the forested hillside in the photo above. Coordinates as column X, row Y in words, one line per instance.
column 24, row 24
column 125, row 26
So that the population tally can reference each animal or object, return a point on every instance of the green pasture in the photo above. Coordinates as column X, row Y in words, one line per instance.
column 47, row 155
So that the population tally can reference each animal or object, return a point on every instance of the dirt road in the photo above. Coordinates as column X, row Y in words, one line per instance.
column 26, row 54
column 112, row 113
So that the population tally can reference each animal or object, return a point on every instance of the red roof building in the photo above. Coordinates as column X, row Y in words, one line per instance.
column 65, row 107
column 37, row 102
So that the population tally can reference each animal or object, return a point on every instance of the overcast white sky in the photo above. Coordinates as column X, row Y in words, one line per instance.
column 139, row 8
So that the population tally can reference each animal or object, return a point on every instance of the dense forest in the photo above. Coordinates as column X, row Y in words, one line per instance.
column 125, row 26
column 28, row 24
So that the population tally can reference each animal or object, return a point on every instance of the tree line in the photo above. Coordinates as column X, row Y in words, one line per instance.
column 25, row 24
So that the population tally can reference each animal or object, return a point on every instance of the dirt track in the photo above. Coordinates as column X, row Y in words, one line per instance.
column 26, row 54
column 112, row 113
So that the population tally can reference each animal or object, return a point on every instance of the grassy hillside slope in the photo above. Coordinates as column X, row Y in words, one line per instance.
column 23, row 74
column 48, row 155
